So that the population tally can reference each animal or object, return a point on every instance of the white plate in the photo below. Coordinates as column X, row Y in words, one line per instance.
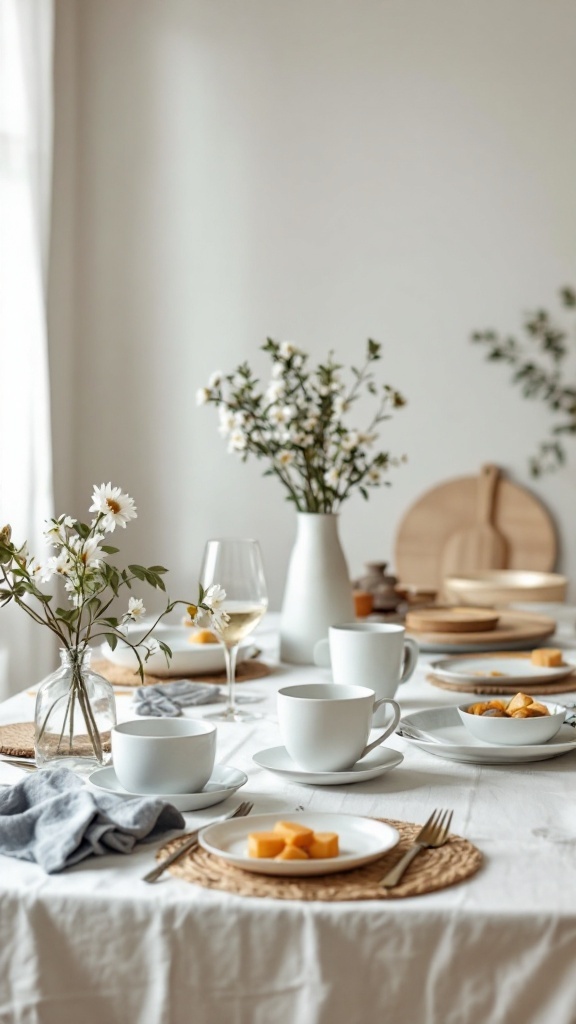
column 428, row 646
column 187, row 659
column 444, row 735
column 361, row 840
column 222, row 783
column 482, row 667
column 378, row 761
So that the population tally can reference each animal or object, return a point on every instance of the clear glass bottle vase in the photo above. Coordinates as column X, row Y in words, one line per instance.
column 75, row 712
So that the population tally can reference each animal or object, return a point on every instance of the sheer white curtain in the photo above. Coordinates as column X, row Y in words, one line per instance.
column 26, row 47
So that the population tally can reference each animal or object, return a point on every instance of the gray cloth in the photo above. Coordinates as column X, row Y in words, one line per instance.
column 167, row 699
column 52, row 819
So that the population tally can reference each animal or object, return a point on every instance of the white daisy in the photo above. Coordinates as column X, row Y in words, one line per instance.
column 58, row 565
column 286, row 458
column 136, row 608
column 215, row 379
column 203, row 396
column 374, row 475
column 214, row 597
column 332, row 477
column 237, row 441
column 226, row 421
column 116, row 507
column 87, row 551
column 287, row 349
column 275, row 390
column 350, row 440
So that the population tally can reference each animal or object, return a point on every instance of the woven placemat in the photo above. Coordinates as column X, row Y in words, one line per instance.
column 493, row 686
column 431, row 870
column 17, row 740
column 245, row 671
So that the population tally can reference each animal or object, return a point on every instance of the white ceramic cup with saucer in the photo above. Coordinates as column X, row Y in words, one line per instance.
column 325, row 727
column 374, row 654
column 164, row 755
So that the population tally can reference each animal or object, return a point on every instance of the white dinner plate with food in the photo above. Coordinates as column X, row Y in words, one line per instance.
column 494, row 668
column 361, row 841
column 223, row 782
column 278, row 761
column 439, row 731
column 188, row 658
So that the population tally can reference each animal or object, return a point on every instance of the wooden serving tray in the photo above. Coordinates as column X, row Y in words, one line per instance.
column 452, row 620
column 518, row 628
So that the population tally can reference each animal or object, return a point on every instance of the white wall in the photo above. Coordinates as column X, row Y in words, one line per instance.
column 320, row 171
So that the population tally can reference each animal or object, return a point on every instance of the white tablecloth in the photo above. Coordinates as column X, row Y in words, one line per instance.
column 97, row 945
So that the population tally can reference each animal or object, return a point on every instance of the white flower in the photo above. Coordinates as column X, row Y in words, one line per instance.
column 332, row 477
column 240, row 418
column 214, row 597
column 350, row 440
column 280, row 414
column 311, row 423
column 56, row 533
column 203, row 396
column 215, row 379
column 285, row 458
column 237, row 441
column 367, row 439
column 340, row 406
column 275, row 390
column 87, row 551
column 59, row 565
column 226, row 420
column 374, row 475
column 278, row 370
column 116, row 507
column 136, row 608
column 287, row 349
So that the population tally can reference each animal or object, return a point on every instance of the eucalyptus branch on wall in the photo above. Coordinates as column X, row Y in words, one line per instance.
column 541, row 363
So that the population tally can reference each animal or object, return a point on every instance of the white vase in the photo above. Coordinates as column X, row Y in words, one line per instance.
column 318, row 591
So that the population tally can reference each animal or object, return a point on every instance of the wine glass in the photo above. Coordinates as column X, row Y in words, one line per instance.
column 236, row 565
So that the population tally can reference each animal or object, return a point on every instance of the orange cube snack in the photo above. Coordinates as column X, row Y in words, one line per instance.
column 521, row 700
column 292, row 852
column 265, row 844
column 325, row 845
column 295, row 835
column 547, row 657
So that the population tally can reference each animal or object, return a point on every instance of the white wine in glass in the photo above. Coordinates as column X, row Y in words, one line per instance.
column 236, row 565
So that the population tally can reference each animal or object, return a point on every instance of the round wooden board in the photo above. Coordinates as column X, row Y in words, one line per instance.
column 452, row 620
column 512, row 627
column 519, row 516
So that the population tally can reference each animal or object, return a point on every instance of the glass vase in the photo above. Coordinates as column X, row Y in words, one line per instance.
column 75, row 712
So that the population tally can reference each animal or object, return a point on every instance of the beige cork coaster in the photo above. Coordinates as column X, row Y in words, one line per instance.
column 492, row 687
column 17, row 740
column 431, row 870
column 118, row 676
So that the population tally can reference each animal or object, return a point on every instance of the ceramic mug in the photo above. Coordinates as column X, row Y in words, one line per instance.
column 325, row 727
column 374, row 654
column 164, row 755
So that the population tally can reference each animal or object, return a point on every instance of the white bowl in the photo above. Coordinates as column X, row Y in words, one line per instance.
column 514, row 731
column 505, row 586
column 187, row 659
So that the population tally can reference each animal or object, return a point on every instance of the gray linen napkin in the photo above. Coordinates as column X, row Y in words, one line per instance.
column 168, row 699
column 52, row 819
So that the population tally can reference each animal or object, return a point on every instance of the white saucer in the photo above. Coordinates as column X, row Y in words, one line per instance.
column 378, row 761
column 361, row 840
column 440, row 732
column 222, row 783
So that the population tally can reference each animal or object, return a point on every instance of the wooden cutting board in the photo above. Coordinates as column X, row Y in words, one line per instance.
column 477, row 545
column 519, row 517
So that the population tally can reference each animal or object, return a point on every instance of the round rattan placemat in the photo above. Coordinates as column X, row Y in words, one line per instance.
column 493, row 687
column 430, row 870
column 245, row 671
column 17, row 740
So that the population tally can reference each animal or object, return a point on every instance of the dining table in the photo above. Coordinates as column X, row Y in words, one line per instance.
column 96, row 944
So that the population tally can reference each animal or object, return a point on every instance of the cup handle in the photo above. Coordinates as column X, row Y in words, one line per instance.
column 390, row 728
column 410, row 659
column 322, row 653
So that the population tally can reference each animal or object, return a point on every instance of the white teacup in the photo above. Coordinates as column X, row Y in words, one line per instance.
column 374, row 654
column 325, row 726
column 164, row 755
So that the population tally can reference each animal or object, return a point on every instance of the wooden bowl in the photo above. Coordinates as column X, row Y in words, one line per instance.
column 505, row 586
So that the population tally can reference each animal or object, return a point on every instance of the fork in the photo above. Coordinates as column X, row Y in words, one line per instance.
column 433, row 833
column 190, row 841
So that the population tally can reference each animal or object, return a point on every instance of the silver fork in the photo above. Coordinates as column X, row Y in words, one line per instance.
column 190, row 841
column 433, row 834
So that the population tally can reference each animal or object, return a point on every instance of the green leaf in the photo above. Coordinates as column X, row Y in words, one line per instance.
column 112, row 640
column 109, row 549
column 138, row 571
